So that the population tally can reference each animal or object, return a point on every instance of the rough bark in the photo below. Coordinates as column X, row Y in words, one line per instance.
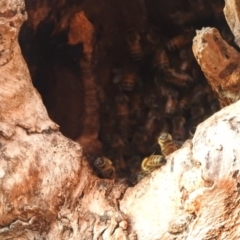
column 41, row 170
column 82, row 31
column 219, row 63
column 48, row 191
column 232, row 15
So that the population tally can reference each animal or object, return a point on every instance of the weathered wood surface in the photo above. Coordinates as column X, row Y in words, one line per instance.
column 48, row 191
column 232, row 15
column 82, row 31
column 195, row 196
column 220, row 63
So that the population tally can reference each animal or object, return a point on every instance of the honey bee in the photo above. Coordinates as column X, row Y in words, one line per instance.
column 179, row 131
column 152, row 162
column 104, row 167
column 161, row 59
column 134, row 44
column 171, row 105
column 129, row 80
column 180, row 79
column 166, row 144
column 180, row 41
column 176, row 43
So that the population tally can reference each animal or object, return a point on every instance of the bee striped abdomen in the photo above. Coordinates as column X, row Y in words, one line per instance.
column 134, row 44
column 129, row 81
column 152, row 162
column 177, row 43
column 104, row 167
column 166, row 144
column 161, row 59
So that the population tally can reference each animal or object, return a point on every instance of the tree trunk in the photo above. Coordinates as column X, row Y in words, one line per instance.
column 48, row 191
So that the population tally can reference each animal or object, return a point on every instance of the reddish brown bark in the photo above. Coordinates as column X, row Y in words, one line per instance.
column 47, row 189
column 219, row 63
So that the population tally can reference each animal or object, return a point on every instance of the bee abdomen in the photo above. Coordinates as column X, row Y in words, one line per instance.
column 168, row 148
column 177, row 43
column 128, row 86
column 134, row 45
column 129, row 81
column 152, row 162
column 166, row 144
column 161, row 59
column 136, row 52
column 156, row 160
column 104, row 167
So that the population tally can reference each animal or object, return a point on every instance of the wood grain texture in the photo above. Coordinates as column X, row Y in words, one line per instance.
column 232, row 15
column 219, row 63
column 48, row 191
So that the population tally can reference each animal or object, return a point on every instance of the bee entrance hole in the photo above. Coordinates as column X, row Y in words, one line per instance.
column 140, row 72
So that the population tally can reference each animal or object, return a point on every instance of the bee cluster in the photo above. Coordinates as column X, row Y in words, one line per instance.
column 162, row 90
column 153, row 96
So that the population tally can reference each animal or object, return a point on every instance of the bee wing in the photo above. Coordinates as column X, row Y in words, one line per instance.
column 156, row 161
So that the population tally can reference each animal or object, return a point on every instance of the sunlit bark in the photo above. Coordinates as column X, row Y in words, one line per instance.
column 47, row 189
